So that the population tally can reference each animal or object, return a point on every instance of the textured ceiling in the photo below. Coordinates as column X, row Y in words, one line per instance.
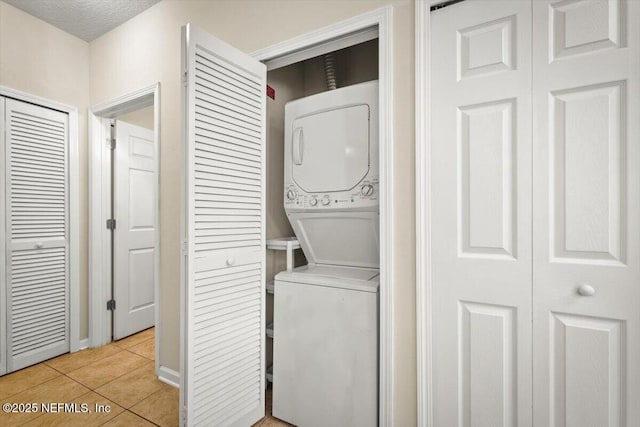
column 86, row 19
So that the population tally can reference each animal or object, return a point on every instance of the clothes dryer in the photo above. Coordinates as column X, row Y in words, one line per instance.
column 331, row 175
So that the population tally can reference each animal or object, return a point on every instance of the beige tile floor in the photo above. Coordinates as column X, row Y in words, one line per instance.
column 120, row 375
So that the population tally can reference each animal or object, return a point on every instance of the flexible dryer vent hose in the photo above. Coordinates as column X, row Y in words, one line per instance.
column 330, row 70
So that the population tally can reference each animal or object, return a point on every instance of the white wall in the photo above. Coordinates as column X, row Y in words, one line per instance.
column 40, row 59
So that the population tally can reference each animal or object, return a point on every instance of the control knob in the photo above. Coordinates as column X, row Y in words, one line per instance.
column 367, row 190
column 313, row 202
column 291, row 194
column 325, row 202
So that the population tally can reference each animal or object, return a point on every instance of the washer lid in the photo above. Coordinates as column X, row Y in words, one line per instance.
column 356, row 279
column 338, row 238
column 330, row 149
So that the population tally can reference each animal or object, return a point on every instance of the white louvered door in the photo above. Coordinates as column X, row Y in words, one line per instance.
column 37, row 233
column 223, row 370
column 3, row 246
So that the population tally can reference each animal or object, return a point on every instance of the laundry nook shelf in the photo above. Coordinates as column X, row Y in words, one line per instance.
column 288, row 244
column 270, row 287
column 270, row 373
column 270, row 330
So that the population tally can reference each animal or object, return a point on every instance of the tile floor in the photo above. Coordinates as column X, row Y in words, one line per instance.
column 119, row 374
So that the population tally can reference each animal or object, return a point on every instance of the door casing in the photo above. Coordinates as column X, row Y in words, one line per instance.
column 424, row 322
column 100, row 188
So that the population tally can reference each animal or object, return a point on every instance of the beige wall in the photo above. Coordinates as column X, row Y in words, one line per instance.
column 42, row 60
column 288, row 84
column 146, row 49
column 142, row 117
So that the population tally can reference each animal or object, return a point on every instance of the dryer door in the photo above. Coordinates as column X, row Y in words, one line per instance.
column 330, row 149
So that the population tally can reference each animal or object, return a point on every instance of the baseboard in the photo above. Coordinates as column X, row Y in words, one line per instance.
column 78, row 345
column 169, row 376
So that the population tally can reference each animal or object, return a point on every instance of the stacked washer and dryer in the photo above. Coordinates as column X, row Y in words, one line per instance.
column 325, row 356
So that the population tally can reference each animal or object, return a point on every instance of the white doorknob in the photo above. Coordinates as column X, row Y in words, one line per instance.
column 586, row 290
column 39, row 245
column 231, row 261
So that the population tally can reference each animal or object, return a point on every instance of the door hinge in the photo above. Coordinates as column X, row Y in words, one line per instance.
column 111, row 224
column 111, row 143
column 184, row 78
column 111, row 305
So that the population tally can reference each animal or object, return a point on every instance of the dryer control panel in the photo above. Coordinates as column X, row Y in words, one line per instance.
column 365, row 196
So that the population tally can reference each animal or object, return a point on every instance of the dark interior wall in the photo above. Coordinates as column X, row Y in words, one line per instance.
column 354, row 64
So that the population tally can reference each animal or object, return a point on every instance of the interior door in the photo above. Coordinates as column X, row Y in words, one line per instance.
column 134, row 239
column 37, row 233
column 223, row 304
column 587, row 213
column 481, row 213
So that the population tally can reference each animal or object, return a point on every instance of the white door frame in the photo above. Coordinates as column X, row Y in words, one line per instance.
column 382, row 19
column 75, row 342
column 424, row 325
column 100, row 210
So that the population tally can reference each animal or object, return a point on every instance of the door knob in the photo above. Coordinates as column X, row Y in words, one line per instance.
column 39, row 245
column 231, row 261
column 586, row 290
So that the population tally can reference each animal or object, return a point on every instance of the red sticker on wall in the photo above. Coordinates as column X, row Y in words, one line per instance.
column 271, row 92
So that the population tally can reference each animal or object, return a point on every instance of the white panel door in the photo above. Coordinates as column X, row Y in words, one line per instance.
column 37, row 233
column 586, row 169
column 481, row 207
column 223, row 306
column 135, row 205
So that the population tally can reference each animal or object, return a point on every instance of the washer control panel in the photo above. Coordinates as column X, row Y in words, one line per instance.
column 364, row 194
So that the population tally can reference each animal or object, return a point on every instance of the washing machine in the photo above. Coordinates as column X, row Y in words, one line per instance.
column 325, row 345
column 325, row 342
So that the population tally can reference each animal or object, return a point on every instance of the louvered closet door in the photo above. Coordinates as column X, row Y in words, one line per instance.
column 37, row 272
column 225, row 249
